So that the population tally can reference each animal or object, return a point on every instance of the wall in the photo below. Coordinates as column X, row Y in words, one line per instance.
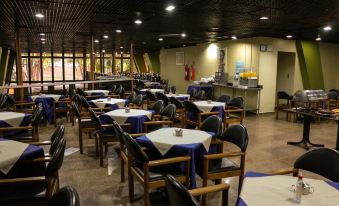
column 204, row 58
column 285, row 71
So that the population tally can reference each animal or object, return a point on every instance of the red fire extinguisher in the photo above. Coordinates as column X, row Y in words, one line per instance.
column 187, row 72
column 192, row 73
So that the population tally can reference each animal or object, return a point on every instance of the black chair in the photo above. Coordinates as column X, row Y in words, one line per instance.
column 162, row 97
column 24, row 189
column 200, row 95
column 151, row 174
column 234, row 112
column 66, row 196
column 120, row 91
column 199, row 116
column 332, row 100
column 180, row 113
column 137, row 91
column 137, row 102
column 173, row 89
column 224, row 98
column 80, row 92
column 166, row 117
column 212, row 124
column 150, row 98
column 218, row 166
column 178, row 195
column 281, row 95
column 157, row 107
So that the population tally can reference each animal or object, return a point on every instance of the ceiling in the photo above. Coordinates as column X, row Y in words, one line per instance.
column 69, row 24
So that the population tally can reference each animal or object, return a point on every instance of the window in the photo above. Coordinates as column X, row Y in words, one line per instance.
column 25, row 69
column 58, row 69
column 107, row 66
column 79, row 69
column 118, row 65
column 13, row 78
column 35, row 69
column 47, row 69
column 125, row 64
column 68, row 69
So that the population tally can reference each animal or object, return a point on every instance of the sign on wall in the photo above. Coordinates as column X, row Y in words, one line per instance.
column 179, row 58
column 222, row 60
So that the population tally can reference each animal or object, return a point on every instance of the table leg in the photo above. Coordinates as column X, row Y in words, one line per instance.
column 306, row 136
column 337, row 143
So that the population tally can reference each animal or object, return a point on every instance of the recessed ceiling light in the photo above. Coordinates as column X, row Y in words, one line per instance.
column 233, row 37
column 105, row 36
column 143, row 42
column 327, row 28
column 183, row 34
column 42, row 34
column 289, row 36
column 43, row 42
column 118, row 31
column 138, row 21
column 39, row 15
column 318, row 38
column 264, row 18
column 121, row 52
column 43, row 39
column 121, row 47
column 96, row 41
column 103, row 51
column 161, row 39
column 170, row 8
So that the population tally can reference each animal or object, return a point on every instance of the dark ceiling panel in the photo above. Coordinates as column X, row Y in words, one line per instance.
column 69, row 24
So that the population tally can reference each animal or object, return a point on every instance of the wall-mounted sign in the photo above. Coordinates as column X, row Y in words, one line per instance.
column 179, row 58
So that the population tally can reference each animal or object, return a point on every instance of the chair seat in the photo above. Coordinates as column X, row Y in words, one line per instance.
column 87, row 124
column 159, row 172
column 218, row 165
column 22, row 136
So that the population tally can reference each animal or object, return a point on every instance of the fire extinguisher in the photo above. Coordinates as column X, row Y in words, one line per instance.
column 192, row 73
column 187, row 72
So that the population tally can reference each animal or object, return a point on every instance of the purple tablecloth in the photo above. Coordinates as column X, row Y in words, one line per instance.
column 193, row 150
column 207, row 88
column 25, row 122
column 240, row 202
column 47, row 103
column 137, row 122
column 220, row 109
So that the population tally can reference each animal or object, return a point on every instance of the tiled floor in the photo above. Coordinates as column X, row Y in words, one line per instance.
column 267, row 151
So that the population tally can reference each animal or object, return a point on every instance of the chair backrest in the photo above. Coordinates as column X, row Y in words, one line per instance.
column 84, row 102
column 193, row 92
column 113, row 88
column 134, row 149
column 224, row 98
column 332, row 95
column 236, row 134
column 236, row 102
column 150, row 96
column 200, row 94
column 178, row 194
column 118, row 132
column 167, row 88
column 3, row 100
column 176, row 102
column 137, row 91
column 80, row 92
column 57, row 159
column 37, row 116
column 212, row 124
column 66, row 196
column 120, row 90
column 94, row 117
column 173, row 89
column 158, row 106
column 169, row 111
column 163, row 97
column 10, row 100
column 191, row 107
column 132, row 96
column 283, row 95
column 76, row 110
column 138, row 100
column 322, row 161
column 56, row 137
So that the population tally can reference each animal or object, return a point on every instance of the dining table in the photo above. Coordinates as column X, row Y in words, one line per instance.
column 135, row 117
column 211, row 106
column 13, row 119
column 143, row 91
column 113, row 103
column 181, row 97
column 260, row 189
column 97, row 92
column 163, row 143
column 47, row 103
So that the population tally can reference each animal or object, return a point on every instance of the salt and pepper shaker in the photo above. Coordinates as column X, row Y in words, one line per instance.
column 299, row 189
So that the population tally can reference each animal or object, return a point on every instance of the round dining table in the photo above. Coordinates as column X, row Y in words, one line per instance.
column 181, row 97
column 14, row 119
column 97, row 92
column 47, row 103
column 106, row 102
column 143, row 91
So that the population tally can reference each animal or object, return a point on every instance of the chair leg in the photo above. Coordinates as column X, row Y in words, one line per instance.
column 130, row 187
column 240, row 184
column 106, row 147
column 146, row 195
column 204, row 198
column 224, row 198
column 101, row 152
column 80, row 141
column 122, row 168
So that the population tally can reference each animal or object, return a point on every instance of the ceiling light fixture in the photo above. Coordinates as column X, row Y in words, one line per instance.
column 39, row 15
column 118, row 31
column 43, row 42
column 42, row 34
column 264, row 18
column 121, row 47
column 96, row 41
column 289, row 36
column 103, row 51
column 170, row 8
column 161, row 39
column 327, row 28
column 43, row 39
column 233, row 37
column 318, row 38
column 105, row 36
column 138, row 21
column 183, row 35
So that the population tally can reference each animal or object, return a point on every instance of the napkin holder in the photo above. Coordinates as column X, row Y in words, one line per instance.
column 109, row 99
column 127, row 110
column 178, row 132
column 209, row 101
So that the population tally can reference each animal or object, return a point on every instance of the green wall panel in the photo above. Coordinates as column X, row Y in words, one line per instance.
column 139, row 59
column 310, row 64
column 154, row 58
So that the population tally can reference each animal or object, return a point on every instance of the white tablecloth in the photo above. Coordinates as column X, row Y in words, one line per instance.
column 207, row 107
column 179, row 96
column 148, row 84
column 12, row 118
column 153, row 90
column 56, row 97
column 164, row 139
column 10, row 152
column 101, row 103
column 275, row 190
column 89, row 92
column 121, row 116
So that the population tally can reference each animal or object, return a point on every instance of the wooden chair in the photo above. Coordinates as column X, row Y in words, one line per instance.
column 234, row 112
column 163, row 97
column 62, row 106
column 178, row 195
column 26, row 188
column 150, row 98
column 287, row 104
column 218, row 166
column 151, row 173
column 180, row 110
column 137, row 102
column 192, row 109
column 332, row 100
column 66, row 196
column 166, row 117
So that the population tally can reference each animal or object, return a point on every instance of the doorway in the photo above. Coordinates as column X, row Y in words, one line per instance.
column 285, row 72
